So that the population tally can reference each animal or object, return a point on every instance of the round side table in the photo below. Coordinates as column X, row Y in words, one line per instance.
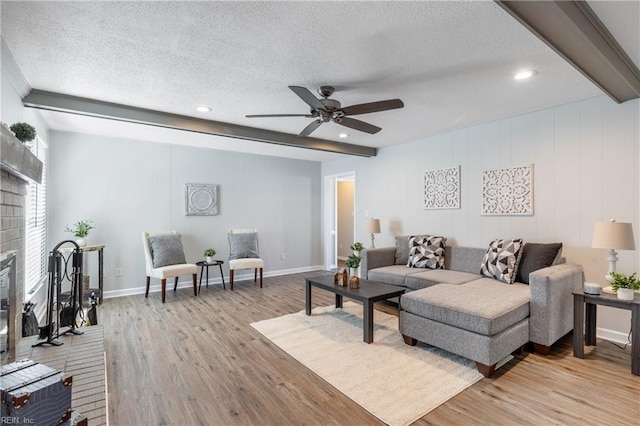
column 204, row 264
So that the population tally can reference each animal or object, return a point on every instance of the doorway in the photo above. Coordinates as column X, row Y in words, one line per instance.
column 339, row 218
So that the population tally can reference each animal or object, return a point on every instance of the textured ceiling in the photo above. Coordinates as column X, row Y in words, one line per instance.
column 451, row 63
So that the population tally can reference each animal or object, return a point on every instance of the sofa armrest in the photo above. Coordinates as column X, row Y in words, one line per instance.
column 376, row 258
column 551, row 301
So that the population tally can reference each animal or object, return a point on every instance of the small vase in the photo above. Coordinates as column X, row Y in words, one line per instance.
column 81, row 241
column 209, row 259
column 625, row 293
column 353, row 272
column 356, row 253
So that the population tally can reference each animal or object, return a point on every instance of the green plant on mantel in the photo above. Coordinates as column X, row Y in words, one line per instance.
column 23, row 131
column 81, row 228
column 210, row 252
column 353, row 261
column 622, row 281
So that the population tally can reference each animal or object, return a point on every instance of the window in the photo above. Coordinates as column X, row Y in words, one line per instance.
column 35, row 226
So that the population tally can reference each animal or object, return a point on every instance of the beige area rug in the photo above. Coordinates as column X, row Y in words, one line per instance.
column 395, row 382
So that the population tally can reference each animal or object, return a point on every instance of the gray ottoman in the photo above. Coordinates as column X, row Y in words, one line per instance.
column 483, row 320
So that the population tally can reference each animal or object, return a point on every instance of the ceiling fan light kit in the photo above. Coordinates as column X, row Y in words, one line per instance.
column 325, row 110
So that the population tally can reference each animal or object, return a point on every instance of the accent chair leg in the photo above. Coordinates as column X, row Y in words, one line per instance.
column 260, row 277
column 146, row 294
column 164, row 289
column 175, row 284
column 409, row 340
column 195, row 286
column 231, row 278
column 541, row 349
column 255, row 275
column 485, row 370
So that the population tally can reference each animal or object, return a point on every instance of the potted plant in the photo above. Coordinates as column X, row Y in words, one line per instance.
column 353, row 263
column 209, row 253
column 80, row 230
column 23, row 131
column 357, row 248
column 624, row 286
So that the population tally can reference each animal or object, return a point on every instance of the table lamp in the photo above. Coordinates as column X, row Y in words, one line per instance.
column 613, row 235
column 372, row 226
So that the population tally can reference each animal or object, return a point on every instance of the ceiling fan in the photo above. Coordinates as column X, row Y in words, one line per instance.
column 325, row 110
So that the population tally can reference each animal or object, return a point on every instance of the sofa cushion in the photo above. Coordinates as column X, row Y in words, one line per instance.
column 501, row 260
column 464, row 259
column 166, row 249
column 484, row 306
column 393, row 275
column 426, row 252
column 537, row 256
column 432, row 277
column 402, row 248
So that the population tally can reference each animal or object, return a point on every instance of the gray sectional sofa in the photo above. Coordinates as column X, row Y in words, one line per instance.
column 480, row 318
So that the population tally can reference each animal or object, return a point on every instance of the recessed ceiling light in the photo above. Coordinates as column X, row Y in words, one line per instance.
column 204, row 108
column 343, row 135
column 524, row 74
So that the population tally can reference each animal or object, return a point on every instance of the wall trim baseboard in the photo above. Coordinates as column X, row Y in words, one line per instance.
column 343, row 257
column 613, row 336
column 186, row 283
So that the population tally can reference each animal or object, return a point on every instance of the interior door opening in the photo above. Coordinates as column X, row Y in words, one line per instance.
column 339, row 218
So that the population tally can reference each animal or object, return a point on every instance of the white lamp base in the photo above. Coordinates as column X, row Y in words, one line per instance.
column 612, row 258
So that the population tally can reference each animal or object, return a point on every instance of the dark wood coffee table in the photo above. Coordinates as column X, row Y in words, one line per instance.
column 368, row 293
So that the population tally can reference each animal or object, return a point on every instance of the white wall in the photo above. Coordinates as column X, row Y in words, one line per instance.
column 585, row 157
column 13, row 88
column 129, row 186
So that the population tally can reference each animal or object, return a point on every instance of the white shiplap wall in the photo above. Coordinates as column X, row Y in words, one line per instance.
column 585, row 157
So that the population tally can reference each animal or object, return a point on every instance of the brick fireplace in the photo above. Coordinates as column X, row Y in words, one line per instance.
column 18, row 166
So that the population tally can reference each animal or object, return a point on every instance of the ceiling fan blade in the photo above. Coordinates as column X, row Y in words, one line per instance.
column 358, row 125
column 310, row 128
column 373, row 107
column 307, row 96
column 279, row 115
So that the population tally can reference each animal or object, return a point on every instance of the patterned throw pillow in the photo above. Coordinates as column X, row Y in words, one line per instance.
column 501, row 260
column 426, row 252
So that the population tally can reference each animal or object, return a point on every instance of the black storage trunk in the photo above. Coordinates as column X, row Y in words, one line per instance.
column 35, row 394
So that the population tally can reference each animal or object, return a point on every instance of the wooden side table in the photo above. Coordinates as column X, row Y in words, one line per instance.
column 204, row 264
column 588, row 303
column 99, row 248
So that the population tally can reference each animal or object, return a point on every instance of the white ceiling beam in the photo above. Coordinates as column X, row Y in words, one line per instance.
column 51, row 101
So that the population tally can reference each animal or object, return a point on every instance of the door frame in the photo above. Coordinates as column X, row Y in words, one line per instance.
column 330, row 217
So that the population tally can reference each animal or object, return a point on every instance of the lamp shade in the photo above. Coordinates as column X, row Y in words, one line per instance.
column 613, row 235
column 372, row 226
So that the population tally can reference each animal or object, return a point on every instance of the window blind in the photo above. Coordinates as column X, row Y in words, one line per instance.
column 35, row 224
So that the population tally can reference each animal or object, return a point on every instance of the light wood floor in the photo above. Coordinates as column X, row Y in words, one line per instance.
column 198, row 361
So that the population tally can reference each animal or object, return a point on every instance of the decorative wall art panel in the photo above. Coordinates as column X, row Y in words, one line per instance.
column 508, row 191
column 201, row 199
column 442, row 188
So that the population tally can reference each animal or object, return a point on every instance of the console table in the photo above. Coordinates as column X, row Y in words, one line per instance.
column 588, row 303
